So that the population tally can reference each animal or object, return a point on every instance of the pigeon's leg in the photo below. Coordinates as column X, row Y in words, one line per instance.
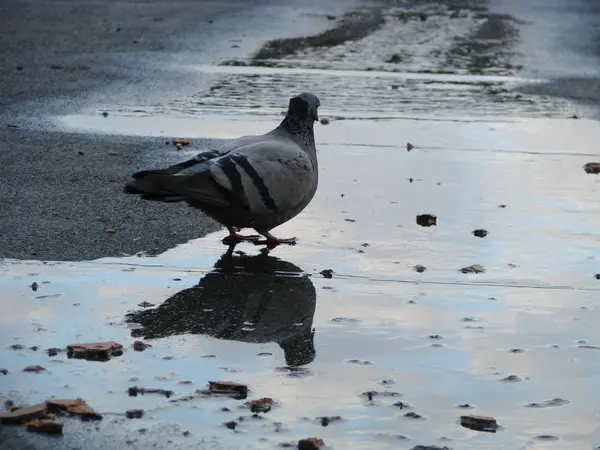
column 272, row 242
column 235, row 238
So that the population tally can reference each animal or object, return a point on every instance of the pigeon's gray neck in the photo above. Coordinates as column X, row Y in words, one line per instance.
column 302, row 132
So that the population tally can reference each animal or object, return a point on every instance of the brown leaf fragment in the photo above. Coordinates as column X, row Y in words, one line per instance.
column 262, row 405
column 96, row 351
column 45, row 426
column 236, row 390
column 24, row 414
column 75, row 407
column 36, row 369
column 140, row 346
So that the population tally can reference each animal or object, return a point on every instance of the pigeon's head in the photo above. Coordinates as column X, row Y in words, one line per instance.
column 304, row 106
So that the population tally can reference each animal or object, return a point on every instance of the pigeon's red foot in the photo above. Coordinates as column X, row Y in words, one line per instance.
column 272, row 242
column 235, row 238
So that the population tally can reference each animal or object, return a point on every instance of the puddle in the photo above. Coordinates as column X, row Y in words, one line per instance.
column 457, row 63
column 343, row 324
column 314, row 344
column 255, row 94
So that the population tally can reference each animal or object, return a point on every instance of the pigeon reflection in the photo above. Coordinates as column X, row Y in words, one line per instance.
column 254, row 299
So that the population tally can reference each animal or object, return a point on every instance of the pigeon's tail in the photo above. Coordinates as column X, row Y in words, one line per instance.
column 153, row 185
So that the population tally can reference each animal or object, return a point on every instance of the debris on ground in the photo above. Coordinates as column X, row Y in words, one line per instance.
column 420, row 268
column 394, row 59
column 326, row 420
column 511, row 379
column 429, row 447
column 549, row 403
column 409, row 147
column 146, row 304
column 426, row 220
column 371, row 394
column 36, row 369
column 360, row 362
column 475, row 268
column 310, row 444
column 4, row 371
column 140, row 346
column 592, row 167
column 327, row 273
column 464, row 406
column 134, row 391
column 134, row 413
column 34, row 286
column 97, row 351
column 480, row 233
column 479, row 423
column 17, row 347
column 24, row 414
column 44, row 426
column 413, row 415
column 53, row 351
column 324, row 121
column 76, row 407
column 231, row 425
column 40, row 418
column 234, row 390
column 402, row 405
column 262, row 405
column 180, row 142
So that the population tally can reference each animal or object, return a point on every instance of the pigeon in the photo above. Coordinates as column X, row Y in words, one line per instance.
column 254, row 181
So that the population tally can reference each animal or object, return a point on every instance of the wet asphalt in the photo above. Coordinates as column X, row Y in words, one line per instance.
column 61, row 191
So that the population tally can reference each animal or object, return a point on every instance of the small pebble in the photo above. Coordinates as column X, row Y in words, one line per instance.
column 426, row 220
column 327, row 273
column 480, row 233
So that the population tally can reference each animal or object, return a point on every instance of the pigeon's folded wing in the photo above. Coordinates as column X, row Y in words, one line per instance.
column 267, row 177
column 201, row 157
